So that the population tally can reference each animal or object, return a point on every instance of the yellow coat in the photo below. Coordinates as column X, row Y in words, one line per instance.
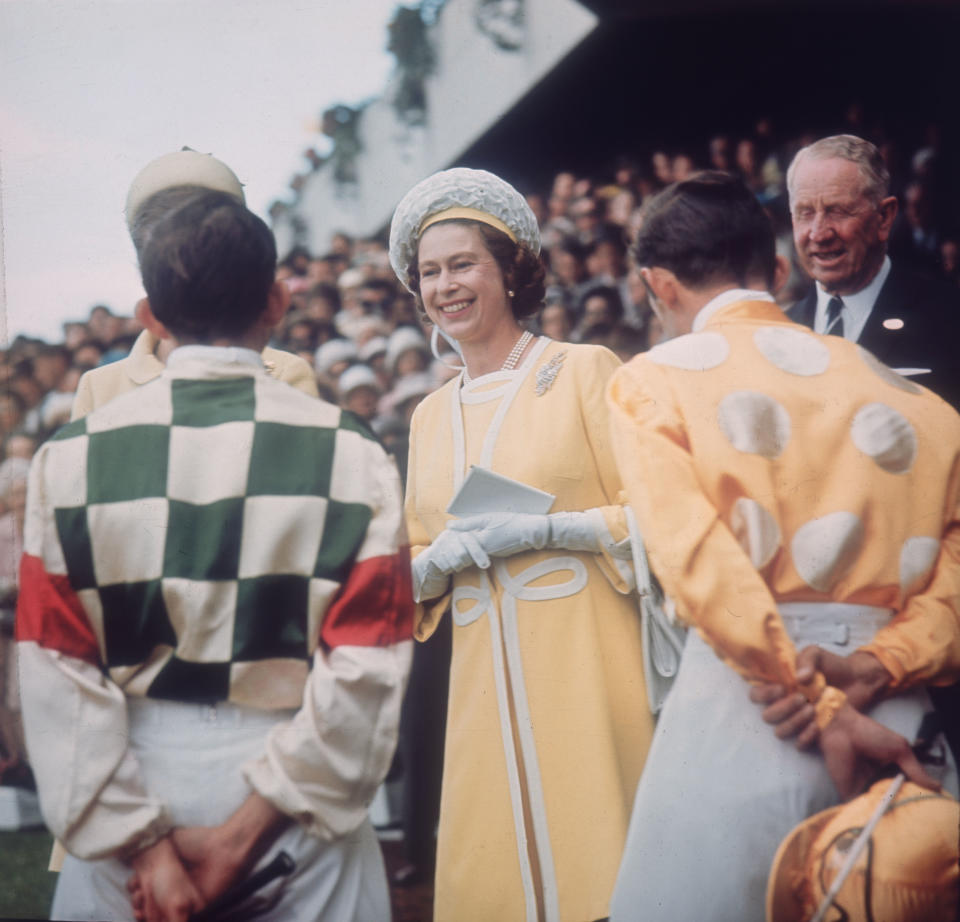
column 767, row 464
column 548, row 722
column 102, row 384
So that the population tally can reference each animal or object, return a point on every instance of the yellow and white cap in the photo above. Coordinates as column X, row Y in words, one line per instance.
column 907, row 870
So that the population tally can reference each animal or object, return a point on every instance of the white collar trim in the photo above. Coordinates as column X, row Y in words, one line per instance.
column 218, row 355
column 730, row 296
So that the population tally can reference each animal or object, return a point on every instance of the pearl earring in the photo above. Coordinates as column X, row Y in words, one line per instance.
column 510, row 293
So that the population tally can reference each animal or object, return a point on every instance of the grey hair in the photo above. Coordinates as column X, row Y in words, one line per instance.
column 868, row 160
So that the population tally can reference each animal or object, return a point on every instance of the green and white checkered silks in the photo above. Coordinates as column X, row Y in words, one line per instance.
column 236, row 497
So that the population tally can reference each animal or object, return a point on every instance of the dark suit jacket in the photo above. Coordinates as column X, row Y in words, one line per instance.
column 929, row 337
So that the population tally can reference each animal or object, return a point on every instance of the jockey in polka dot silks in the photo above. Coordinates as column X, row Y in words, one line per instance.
column 792, row 491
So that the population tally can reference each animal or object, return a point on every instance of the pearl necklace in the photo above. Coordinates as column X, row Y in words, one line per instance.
column 517, row 351
column 510, row 363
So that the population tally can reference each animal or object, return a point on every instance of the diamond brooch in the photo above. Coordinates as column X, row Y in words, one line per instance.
column 547, row 373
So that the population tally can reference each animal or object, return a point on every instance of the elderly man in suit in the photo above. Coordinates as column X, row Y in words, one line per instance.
column 843, row 212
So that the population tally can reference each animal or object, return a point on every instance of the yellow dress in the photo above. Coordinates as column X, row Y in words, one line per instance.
column 548, row 722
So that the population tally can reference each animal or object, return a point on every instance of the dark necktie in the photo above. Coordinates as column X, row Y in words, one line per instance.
column 834, row 317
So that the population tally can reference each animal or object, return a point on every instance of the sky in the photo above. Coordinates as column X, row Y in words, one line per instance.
column 92, row 90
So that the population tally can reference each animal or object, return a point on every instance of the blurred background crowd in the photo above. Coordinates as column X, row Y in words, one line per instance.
column 360, row 330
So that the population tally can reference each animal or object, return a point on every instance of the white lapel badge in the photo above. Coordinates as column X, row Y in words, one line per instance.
column 547, row 373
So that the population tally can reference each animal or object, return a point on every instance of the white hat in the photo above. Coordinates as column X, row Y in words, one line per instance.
column 350, row 278
column 374, row 346
column 332, row 352
column 401, row 340
column 55, row 409
column 12, row 472
column 357, row 376
column 459, row 193
column 182, row 168
column 417, row 385
column 369, row 325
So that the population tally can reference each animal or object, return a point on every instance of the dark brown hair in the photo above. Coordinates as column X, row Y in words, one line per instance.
column 706, row 229
column 207, row 266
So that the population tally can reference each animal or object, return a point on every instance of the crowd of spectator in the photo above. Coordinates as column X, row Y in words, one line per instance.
column 369, row 346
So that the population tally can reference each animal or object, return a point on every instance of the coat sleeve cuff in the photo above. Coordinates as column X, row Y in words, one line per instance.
column 826, row 699
column 827, row 705
column 889, row 662
column 146, row 838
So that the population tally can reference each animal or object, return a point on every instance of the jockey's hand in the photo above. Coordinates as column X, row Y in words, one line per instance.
column 161, row 889
column 790, row 713
column 854, row 746
column 860, row 675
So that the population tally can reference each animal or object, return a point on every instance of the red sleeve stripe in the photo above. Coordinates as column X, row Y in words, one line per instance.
column 50, row 613
column 374, row 607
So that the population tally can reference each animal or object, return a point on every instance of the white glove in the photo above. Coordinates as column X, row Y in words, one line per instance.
column 502, row 534
column 451, row 552
column 576, row 531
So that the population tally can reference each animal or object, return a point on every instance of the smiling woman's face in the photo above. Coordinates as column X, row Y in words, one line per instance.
column 461, row 284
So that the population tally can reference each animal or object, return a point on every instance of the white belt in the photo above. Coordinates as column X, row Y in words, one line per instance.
column 838, row 624
column 159, row 712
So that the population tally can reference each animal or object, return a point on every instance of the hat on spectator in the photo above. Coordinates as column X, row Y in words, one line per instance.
column 906, row 871
column 402, row 340
column 388, row 425
column 182, row 168
column 459, row 193
column 350, row 278
column 357, row 376
column 368, row 326
column 12, row 472
column 55, row 409
column 332, row 352
column 409, row 386
column 376, row 345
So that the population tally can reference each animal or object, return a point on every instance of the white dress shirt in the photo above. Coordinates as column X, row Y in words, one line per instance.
column 856, row 307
